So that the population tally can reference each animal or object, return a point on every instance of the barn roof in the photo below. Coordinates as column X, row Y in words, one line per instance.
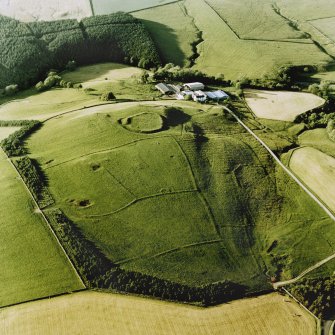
column 195, row 86
column 164, row 88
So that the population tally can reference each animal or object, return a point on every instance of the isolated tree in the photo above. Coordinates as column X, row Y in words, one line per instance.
column 107, row 96
column 144, row 77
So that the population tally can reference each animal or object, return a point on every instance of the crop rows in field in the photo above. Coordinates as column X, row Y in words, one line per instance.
column 88, row 311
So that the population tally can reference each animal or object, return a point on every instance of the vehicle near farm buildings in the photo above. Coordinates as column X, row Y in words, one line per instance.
column 167, row 152
column 199, row 96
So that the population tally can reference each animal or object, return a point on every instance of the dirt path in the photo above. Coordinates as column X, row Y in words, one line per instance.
column 302, row 274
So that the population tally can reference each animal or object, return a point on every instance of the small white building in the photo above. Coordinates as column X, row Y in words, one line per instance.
column 181, row 95
column 194, row 86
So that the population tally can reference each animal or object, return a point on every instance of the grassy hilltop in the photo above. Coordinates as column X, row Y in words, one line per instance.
column 142, row 193
column 159, row 189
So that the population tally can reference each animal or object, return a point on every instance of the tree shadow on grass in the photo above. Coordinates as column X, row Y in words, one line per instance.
column 166, row 42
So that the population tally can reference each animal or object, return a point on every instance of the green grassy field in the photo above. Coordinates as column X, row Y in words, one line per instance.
column 223, row 52
column 318, row 139
column 257, row 20
column 172, row 30
column 203, row 213
column 302, row 9
column 33, row 265
column 236, row 36
column 316, row 19
column 121, row 80
column 326, row 26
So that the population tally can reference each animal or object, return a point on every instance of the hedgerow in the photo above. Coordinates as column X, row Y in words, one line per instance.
column 318, row 117
column 99, row 272
column 318, row 295
column 170, row 72
column 13, row 145
column 35, row 180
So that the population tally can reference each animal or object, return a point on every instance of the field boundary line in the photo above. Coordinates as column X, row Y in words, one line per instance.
column 287, row 170
column 133, row 202
column 162, row 5
column 297, row 180
column 201, row 195
column 133, row 102
column 43, row 298
column 102, row 151
column 305, row 308
column 169, row 251
column 250, row 39
column 39, row 211
column 92, row 7
column 321, row 18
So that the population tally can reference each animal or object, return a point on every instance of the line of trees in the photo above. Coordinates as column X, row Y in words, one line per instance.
column 35, row 180
column 99, row 272
column 28, row 50
column 171, row 72
column 318, row 117
column 318, row 295
column 13, row 145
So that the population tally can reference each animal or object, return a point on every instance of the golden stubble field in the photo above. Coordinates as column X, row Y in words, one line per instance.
column 317, row 171
column 280, row 105
column 100, row 313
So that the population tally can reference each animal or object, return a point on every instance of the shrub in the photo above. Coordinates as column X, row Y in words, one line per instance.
column 11, row 89
column 331, row 129
column 107, row 96
column 52, row 80
column 40, row 87
column 171, row 72
column 318, row 295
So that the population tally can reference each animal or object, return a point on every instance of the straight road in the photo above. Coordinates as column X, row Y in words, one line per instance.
column 313, row 196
